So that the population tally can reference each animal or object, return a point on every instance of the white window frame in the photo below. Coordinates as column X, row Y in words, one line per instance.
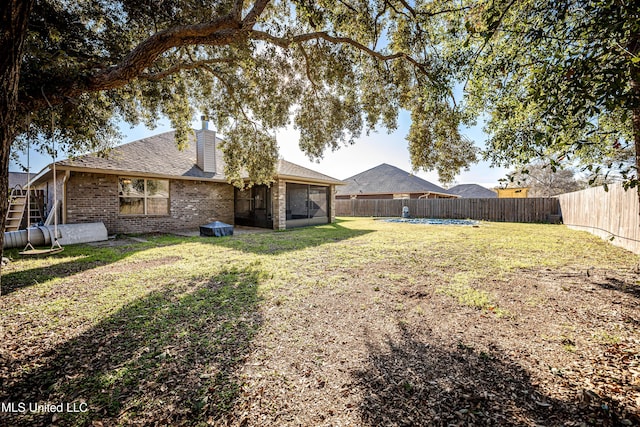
column 145, row 197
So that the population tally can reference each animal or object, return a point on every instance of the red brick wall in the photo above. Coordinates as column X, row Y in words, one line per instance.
column 94, row 197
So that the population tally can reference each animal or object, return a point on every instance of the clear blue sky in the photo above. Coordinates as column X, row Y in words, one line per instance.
column 367, row 152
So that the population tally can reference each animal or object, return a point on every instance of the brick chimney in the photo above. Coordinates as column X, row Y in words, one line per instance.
column 206, row 147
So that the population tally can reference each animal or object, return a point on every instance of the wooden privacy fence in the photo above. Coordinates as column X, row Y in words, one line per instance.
column 504, row 210
column 612, row 215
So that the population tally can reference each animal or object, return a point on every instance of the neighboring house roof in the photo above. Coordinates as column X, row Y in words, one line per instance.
column 159, row 156
column 473, row 191
column 387, row 179
column 17, row 178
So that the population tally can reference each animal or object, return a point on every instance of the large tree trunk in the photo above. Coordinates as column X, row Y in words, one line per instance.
column 14, row 18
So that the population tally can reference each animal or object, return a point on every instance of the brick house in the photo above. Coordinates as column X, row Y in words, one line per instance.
column 150, row 186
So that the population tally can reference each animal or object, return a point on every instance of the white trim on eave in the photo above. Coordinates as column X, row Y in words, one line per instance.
column 304, row 180
column 130, row 173
column 289, row 178
column 45, row 170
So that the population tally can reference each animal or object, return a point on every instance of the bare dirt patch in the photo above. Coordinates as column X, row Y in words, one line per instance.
column 567, row 354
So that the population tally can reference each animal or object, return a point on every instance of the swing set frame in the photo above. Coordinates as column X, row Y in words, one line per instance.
column 55, row 248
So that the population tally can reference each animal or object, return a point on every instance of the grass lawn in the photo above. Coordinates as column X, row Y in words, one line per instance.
column 361, row 322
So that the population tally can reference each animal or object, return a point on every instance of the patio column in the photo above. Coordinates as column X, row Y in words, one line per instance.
column 279, row 196
column 332, row 203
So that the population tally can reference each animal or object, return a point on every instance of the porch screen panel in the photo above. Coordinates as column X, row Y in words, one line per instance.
column 318, row 202
column 243, row 203
column 307, row 205
column 297, row 201
column 253, row 207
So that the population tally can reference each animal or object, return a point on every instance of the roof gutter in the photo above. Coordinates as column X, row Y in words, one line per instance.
column 40, row 176
column 43, row 174
column 449, row 195
column 137, row 174
column 424, row 193
column 67, row 174
column 304, row 180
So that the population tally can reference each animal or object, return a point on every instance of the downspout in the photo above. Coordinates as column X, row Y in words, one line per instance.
column 67, row 174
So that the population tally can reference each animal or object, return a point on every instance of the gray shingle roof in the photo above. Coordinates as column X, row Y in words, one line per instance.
column 473, row 191
column 387, row 179
column 292, row 170
column 158, row 155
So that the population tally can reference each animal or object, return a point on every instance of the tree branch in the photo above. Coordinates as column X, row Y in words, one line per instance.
column 286, row 43
column 348, row 6
column 182, row 67
column 230, row 91
column 409, row 8
column 224, row 30
column 236, row 11
column 250, row 20
column 487, row 39
column 220, row 31
column 306, row 67
column 444, row 11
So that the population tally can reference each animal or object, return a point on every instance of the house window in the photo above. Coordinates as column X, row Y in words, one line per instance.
column 139, row 196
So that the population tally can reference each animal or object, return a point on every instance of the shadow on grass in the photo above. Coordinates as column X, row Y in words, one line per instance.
column 414, row 382
column 86, row 257
column 615, row 284
column 277, row 243
column 169, row 358
column 604, row 279
column 83, row 258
